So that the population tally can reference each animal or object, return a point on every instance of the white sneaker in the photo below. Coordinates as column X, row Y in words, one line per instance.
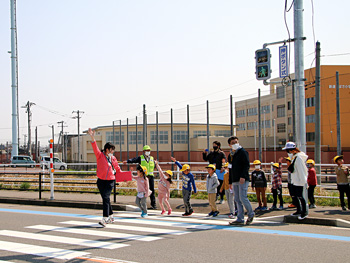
column 103, row 222
column 110, row 220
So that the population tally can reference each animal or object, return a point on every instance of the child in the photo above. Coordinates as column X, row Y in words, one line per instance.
column 259, row 183
column 290, row 186
column 187, row 183
column 164, row 188
column 311, row 181
column 276, row 188
column 142, row 189
column 342, row 180
column 212, row 185
column 228, row 192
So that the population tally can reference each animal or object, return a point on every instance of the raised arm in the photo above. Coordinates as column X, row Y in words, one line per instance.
column 161, row 173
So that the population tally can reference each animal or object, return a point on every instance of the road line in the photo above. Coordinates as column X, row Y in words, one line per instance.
column 129, row 228
column 100, row 233
column 60, row 239
column 50, row 252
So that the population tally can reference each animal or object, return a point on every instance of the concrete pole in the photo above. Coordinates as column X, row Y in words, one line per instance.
column 171, row 137
column 231, row 113
column 318, row 112
column 144, row 125
column 14, row 80
column 113, row 135
column 259, row 123
column 208, row 125
column 299, row 72
column 127, row 138
column 120, row 139
column 293, row 112
column 188, row 134
column 137, row 142
column 157, row 134
column 338, row 116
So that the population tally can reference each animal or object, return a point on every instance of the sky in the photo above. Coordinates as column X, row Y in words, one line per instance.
column 108, row 58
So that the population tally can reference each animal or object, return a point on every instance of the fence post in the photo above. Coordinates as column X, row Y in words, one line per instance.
column 40, row 184
column 51, row 170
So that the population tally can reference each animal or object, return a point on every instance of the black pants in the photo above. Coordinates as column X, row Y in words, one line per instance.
column 275, row 193
column 301, row 203
column 310, row 194
column 105, row 187
column 151, row 187
column 344, row 189
column 218, row 190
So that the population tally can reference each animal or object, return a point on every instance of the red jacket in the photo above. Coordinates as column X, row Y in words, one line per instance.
column 104, row 168
column 311, row 178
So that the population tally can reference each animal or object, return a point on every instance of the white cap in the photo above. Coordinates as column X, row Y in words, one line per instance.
column 289, row 146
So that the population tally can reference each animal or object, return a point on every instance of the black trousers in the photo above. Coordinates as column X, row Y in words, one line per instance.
column 310, row 194
column 105, row 187
column 344, row 189
column 275, row 193
column 292, row 194
column 301, row 203
column 151, row 187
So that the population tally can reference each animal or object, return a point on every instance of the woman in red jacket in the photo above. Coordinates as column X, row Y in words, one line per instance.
column 107, row 167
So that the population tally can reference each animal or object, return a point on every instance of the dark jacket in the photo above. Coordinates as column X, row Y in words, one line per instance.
column 239, row 161
column 258, row 179
column 215, row 157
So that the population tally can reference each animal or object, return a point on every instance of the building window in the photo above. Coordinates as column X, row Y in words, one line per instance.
column 241, row 127
column 280, row 92
column 266, row 124
column 265, row 109
column 251, row 125
column 199, row 133
column 310, row 102
column 281, row 111
column 224, row 133
column 240, row 113
column 289, row 120
column 310, row 136
column 310, row 118
column 180, row 137
column 109, row 137
column 289, row 105
column 132, row 137
column 252, row 112
column 281, row 127
column 163, row 137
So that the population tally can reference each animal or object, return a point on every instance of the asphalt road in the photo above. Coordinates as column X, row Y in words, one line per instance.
column 49, row 234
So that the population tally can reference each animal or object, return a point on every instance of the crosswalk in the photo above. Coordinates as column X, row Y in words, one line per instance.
column 84, row 231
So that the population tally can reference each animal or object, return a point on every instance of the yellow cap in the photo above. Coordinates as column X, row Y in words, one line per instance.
column 212, row 166
column 287, row 159
column 335, row 159
column 225, row 165
column 277, row 165
column 169, row 172
column 144, row 169
column 256, row 162
column 185, row 167
column 311, row 162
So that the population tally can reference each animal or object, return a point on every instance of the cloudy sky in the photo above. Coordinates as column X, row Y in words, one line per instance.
column 108, row 58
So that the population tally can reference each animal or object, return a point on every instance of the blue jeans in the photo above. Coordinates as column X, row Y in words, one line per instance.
column 241, row 198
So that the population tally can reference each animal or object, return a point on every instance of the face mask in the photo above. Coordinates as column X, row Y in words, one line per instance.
column 290, row 155
column 274, row 170
column 257, row 167
column 147, row 153
column 308, row 166
column 235, row 146
column 215, row 148
column 110, row 155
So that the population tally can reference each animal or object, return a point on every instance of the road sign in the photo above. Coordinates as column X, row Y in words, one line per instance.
column 283, row 57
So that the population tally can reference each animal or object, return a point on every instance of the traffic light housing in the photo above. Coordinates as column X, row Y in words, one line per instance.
column 262, row 64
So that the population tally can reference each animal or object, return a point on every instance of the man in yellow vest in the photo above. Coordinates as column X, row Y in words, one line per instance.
column 148, row 161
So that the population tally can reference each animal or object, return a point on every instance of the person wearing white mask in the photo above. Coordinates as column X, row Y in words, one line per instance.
column 239, row 166
column 147, row 161
column 107, row 167
column 299, row 175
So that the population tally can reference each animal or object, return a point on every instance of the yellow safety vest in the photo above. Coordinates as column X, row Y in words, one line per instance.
column 149, row 165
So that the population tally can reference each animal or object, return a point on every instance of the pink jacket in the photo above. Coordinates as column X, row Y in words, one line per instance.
column 104, row 168
column 142, row 185
column 164, row 184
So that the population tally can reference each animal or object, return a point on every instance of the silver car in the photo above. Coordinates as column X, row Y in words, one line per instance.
column 57, row 163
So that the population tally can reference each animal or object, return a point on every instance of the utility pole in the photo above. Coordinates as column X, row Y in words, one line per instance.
column 144, row 126
column 61, row 136
column 29, row 112
column 36, row 144
column 338, row 116
column 14, row 79
column 318, row 111
column 208, row 131
column 78, row 112
column 299, row 72
column 259, row 123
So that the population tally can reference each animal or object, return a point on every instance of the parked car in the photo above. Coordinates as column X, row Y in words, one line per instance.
column 22, row 161
column 57, row 163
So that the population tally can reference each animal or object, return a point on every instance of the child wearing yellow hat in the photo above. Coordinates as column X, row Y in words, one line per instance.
column 164, row 188
column 311, row 181
column 259, row 184
column 212, row 185
column 276, row 187
column 342, row 180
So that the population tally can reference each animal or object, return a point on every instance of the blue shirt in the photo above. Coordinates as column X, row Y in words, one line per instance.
column 187, row 180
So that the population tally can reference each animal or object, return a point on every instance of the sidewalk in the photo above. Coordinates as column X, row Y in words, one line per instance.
column 330, row 216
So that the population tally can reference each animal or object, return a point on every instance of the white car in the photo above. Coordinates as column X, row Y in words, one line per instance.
column 57, row 163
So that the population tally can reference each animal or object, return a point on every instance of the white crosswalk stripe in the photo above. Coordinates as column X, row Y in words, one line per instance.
column 95, row 233
column 130, row 228
column 60, row 239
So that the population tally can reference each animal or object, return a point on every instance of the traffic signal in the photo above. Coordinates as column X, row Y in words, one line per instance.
column 262, row 64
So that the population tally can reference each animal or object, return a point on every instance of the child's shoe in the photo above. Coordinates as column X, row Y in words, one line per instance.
column 110, row 219
column 232, row 216
column 163, row 212
column 216, row 213
column 144, row 215
column 291, row 206
column 264, row 208
column 273, row 208
column 281, row 207
column 185, row 214
column 191, row 212
column 258, row 208
column 103, row 222
column 169, row 212
column 211, row 213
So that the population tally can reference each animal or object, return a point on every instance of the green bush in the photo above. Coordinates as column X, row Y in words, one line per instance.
column 24, row 186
